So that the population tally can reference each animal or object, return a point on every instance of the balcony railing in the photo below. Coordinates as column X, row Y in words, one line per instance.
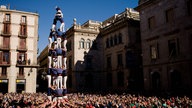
column 6, row 33
column 4, row 47
column 21, row 34
column 19, row 48
column 21, row 63
column 2, row 76
column 5, row 63
column 20, row 76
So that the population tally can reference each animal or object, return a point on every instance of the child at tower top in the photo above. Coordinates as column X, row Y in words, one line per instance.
column 58, row 16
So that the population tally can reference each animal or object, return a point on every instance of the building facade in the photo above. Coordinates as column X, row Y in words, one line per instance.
column 122, row 51
column 18, row 50
column 104, row 55
column 166, row 34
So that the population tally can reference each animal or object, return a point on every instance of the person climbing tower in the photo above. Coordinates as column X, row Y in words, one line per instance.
column 58, row 17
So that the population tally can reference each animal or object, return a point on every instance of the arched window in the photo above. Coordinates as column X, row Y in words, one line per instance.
column 82, row 43
column 88, row 43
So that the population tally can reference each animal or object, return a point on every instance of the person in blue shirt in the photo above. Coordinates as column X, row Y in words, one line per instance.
column 58, row 17
column 52, row 34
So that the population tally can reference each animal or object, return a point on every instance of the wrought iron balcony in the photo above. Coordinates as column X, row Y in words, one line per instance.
column 22, row 34
column 5, row 47
column 21, row 63
column 6, row 33
column 23, row 48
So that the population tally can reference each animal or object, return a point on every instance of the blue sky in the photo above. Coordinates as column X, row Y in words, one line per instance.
column 82, row 10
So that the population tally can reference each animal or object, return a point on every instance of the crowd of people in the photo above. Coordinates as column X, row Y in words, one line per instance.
column 87, row 100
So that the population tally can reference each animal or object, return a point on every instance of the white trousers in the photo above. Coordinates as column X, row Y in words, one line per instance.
column 59, row 61
column 65, row 82
column 50, row 42
column 49, row 61
column 55, row 81
column 59, row 82
column 49, row 80
column 53, row 27
column 64, row 62
column 62, row 27
column 54, row 62
column 58, row 42
column 65, row 44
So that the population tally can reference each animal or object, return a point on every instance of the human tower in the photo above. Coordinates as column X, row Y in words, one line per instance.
column 57, row 73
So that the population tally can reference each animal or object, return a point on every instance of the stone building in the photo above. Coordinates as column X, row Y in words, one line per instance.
column 104, row 55
column 83, row 55
column 120, row 36
column 166, row 34
column 18, row 50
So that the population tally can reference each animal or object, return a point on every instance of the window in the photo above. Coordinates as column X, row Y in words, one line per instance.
column 22, row 43
column 119, row 60
column 107, row 43
column 6, row 29
column 151, row 22
column 88, row 43
column 189, row 7
column 169, row 15
column 130, row 59
column 173, row 45
column 6, row 41
column 154, row 51
column 7, row 18
column 111, row 41
column 120, row 79
column 108, row 62
column 6, row 57
column 23, row 19
column 82, row 42
column 120, row 38
column 115, row 40
column 21, row 58
column 69, row 45
column 23, row 30
column 21, row 71
column 4, row 71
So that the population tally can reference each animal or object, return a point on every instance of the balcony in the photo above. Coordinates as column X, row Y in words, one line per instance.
column 20, row 76
column 3, row 76
column 21, row 63
column 23, row 48
column 5, row 59
column 4, row 47
column 7, row 20
column 3, row 63
column 6, row 33
column 22, row 35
